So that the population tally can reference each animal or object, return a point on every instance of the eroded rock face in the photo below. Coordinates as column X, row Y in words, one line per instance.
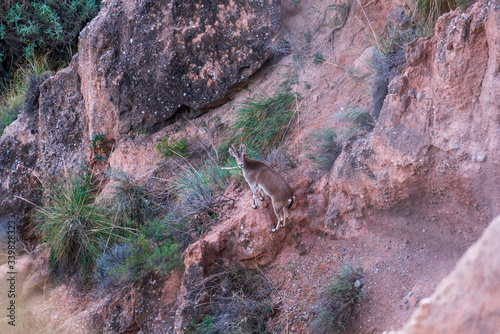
column 439, row 128
column 467, row 300
column 41, row 142
column 244, row 237
column 141, row 62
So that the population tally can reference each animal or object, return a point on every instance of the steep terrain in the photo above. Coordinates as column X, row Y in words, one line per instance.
column 404, row 201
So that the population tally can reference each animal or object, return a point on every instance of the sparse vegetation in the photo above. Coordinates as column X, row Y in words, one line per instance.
column 360, row 117
column 142, row 257
column 170, row 147
column 318, row 58
column 131, row 201
column 200, row 189
column 325, row 148
column 339, row 302
column 390, row 58
column 430, row 10
column 24, row 91
column 75, row 229
column 239, row 302
column 261, row 122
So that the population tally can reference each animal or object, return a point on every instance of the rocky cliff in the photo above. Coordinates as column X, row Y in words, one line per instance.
column 404, row 200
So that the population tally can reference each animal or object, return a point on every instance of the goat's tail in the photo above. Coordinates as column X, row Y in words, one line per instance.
column 290, row 202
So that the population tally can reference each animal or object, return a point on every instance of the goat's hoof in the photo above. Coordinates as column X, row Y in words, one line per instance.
column 282, row 225
column 261, row 198
column 273, row 229
column 254, row 206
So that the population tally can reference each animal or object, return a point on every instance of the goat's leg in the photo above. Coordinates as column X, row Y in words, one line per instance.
column 254, row 190
column 285, row 216
column 261, row 194
column 279, row 218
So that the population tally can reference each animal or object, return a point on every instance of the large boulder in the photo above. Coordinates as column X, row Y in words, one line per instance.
column 140, row 65
column 141, row 62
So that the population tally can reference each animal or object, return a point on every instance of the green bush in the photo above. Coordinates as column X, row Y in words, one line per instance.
column 239, row 302
column 432, row 9
column 325, row 148
column 201, row 189
column 339, row 302
column 360, row 117
column 318, row 58
column 172, row 147
column 260, row 123
column 28, row 27
column 128, row 261
column 75, row 229
column 23, row 92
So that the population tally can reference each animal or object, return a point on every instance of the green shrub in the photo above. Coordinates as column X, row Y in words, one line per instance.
column 73, row 227
column 27, row 27
column 325, row 148
column 131, row 201
column 361, row 117
column 339, row 302
column 239, row 302
column 430, row 10
column 318, row 58
column 127, row 262
column 166, row 257
column 260, row 123
column 169, row 147
column 201, row 189
column 135, row 263
column 23, row 91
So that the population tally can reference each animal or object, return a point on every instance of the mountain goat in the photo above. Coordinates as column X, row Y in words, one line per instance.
column 258, row 174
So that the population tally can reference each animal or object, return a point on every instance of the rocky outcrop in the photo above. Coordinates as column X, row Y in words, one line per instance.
column 140, row 65
column 142, row 62
column 42, row 141
column 438, row 131
column 467, row 300
column 244, row 237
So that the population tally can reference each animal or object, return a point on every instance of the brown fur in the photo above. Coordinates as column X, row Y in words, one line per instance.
column 262, row 177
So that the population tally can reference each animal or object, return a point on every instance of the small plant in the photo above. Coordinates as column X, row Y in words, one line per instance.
column 131, row 201
column 326, row 148
column 106, row 269
column 201, row 189
column 307, row 36
column 318, row 58
column 239, row 302
column 390, row 58
column 166, row 257
column 361, row 117
column 99, row 149
column 432, row 9
column 23, row 91
column 97, row 141
column 339, row 302
column 261, row 122
column 172, row 147
column 133, row 259
column 73, row 227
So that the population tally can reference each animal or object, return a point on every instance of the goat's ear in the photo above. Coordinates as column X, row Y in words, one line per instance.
column 243, row 148
column 232, row 151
